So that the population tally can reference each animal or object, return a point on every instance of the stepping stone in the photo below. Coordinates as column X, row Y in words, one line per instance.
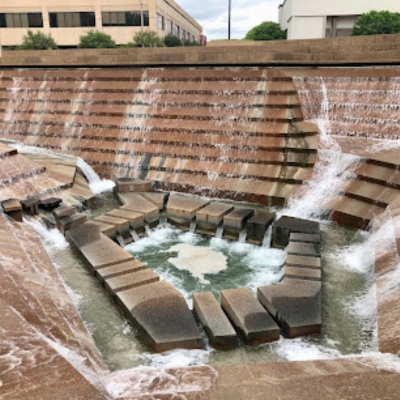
column 66, row 223
column 235, row 221
column 130, row 280
column 181, row 210
column 108, row 230
column 97, row 249
column 132, row 185
column 137, row 203
column 30, row 206
column 63, row 211
column 311, row 274
column 136, row 220
column 303, row 261
column 119, row 269
column 295, row 304
column 209, row 217
column 257, row 225
column 159, row 199
column 249, row 316
column 214, row 321
column 282, row 229
column 13, row 209
column 305, row 237
column 49, row 203
column 303, row 249
column 162, row 316
column 121, row 225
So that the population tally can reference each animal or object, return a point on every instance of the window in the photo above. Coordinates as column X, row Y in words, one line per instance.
column 183, row 34
column 72, row 19
column 125, row 18
column 21, row 20
column 160, row 22
column 169, row 26
column 176, row 31
column 188, row 36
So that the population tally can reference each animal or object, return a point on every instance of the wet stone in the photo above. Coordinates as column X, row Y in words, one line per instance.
column 64, row 211
column 121, row 225
column 295, row 304
column 214, row 321
column 304, row 249
column 162, row 316
column 235, row 221
column 137, row 203
column 30, row 206
column 303, row 273
column 159, row 199
column 136, row 220
column 132, row 185
column 305, row 237
column 130, row 280
column 284, row 226
column 257, row 225
column 303, row 261
column 13, row 209
column 119, row 269
column 66, row 223
column 209, row 217
column 49, row 203
column 108, row 230
column 248, row 316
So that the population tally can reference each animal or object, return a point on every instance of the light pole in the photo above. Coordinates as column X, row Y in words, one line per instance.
column 141, row 15
column 229, row 20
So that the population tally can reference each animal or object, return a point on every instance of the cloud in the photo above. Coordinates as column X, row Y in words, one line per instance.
column 213, row 15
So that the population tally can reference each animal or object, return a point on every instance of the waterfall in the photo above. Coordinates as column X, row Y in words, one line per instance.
column 134, row 235
column 192, row 227
column 96, row 184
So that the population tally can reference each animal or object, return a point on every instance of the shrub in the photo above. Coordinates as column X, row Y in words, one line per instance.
column 377, row 23
column 266, row 31
column 189, row 43
column 96, row 40
column 172, row 41
column 38, row 41
column 147, row 39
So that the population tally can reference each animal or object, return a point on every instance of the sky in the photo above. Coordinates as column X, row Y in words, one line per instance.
column 213, row 15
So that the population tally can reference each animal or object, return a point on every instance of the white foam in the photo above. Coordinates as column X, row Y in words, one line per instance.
column 198, row 260
column 176, row 358
column 96, row 184
column 156, row 238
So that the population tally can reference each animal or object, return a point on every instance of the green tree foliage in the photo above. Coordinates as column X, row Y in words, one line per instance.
column 147, row 39
column 96, row 40
column 377, row 23
column 267, row 30
column 190, row 43
column 38, row 41
column 172, row 41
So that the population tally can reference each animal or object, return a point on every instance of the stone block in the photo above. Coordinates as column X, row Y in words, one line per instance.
column 159, row 199
column 304, row 249
column 132, row 185
column 284, row 226
column 209, row 217
column 137, row 203
column 136, row 220
column 13, row 208
column 66, row 223
column 295, row 304
column 248, row 316
column 303, row 261
column 30, row 206
column 64, row 211
column 214, row 321
column 181, row 210
column 311, row 274
column 108, row 230
column 118, row 269
column 305, row 237
column 234, row 222
column 97, row 249
column 121, row 225
column 49, row 203
column 162, row 316
column 130, row 280
column 257, row 225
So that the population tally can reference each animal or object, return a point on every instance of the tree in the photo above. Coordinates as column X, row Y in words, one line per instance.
column 267, row 30
column 377, row 23
column 147, row 39
column 96, row 40
column 38, row 41
column 190, row 43
column 172, row 41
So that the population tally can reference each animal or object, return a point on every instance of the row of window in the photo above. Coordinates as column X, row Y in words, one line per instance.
column 173, row 29
column 74, row 19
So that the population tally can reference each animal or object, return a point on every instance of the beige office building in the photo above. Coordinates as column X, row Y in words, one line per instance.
column 312, row 19
column 67, row 20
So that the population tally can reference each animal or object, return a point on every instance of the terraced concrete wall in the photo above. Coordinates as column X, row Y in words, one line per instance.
column 224, row 132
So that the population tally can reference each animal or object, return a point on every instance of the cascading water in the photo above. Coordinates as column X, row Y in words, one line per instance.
column 96, row 184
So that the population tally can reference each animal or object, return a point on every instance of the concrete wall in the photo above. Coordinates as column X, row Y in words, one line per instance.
column 70, row 36
column 302, row 18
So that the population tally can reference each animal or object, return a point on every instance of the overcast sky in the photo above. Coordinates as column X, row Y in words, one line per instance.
column 213, row 15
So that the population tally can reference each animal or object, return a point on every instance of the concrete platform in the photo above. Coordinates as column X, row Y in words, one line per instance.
column 161, row 314
column 217, row 326
column 97, row 249
column 282, row 229
column 132, row 185
column 303, row 261
column 257, row 225
column 121, row 225
column 305, row 237
column 181, row 210
column 159, row 199
column 295, row 304
column 136, row 220
column 234, row 222
column 108, row 230
column 248, row 316
column 209, row 217
column 13, row 209
column 119, row 269
column 130, row 280
column 304, row 249
column 137, row 203
column 71, row 222
column 63, row 211
column 311, row 274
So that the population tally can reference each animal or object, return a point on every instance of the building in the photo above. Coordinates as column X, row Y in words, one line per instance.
column 312, row 19
column 67, row 20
